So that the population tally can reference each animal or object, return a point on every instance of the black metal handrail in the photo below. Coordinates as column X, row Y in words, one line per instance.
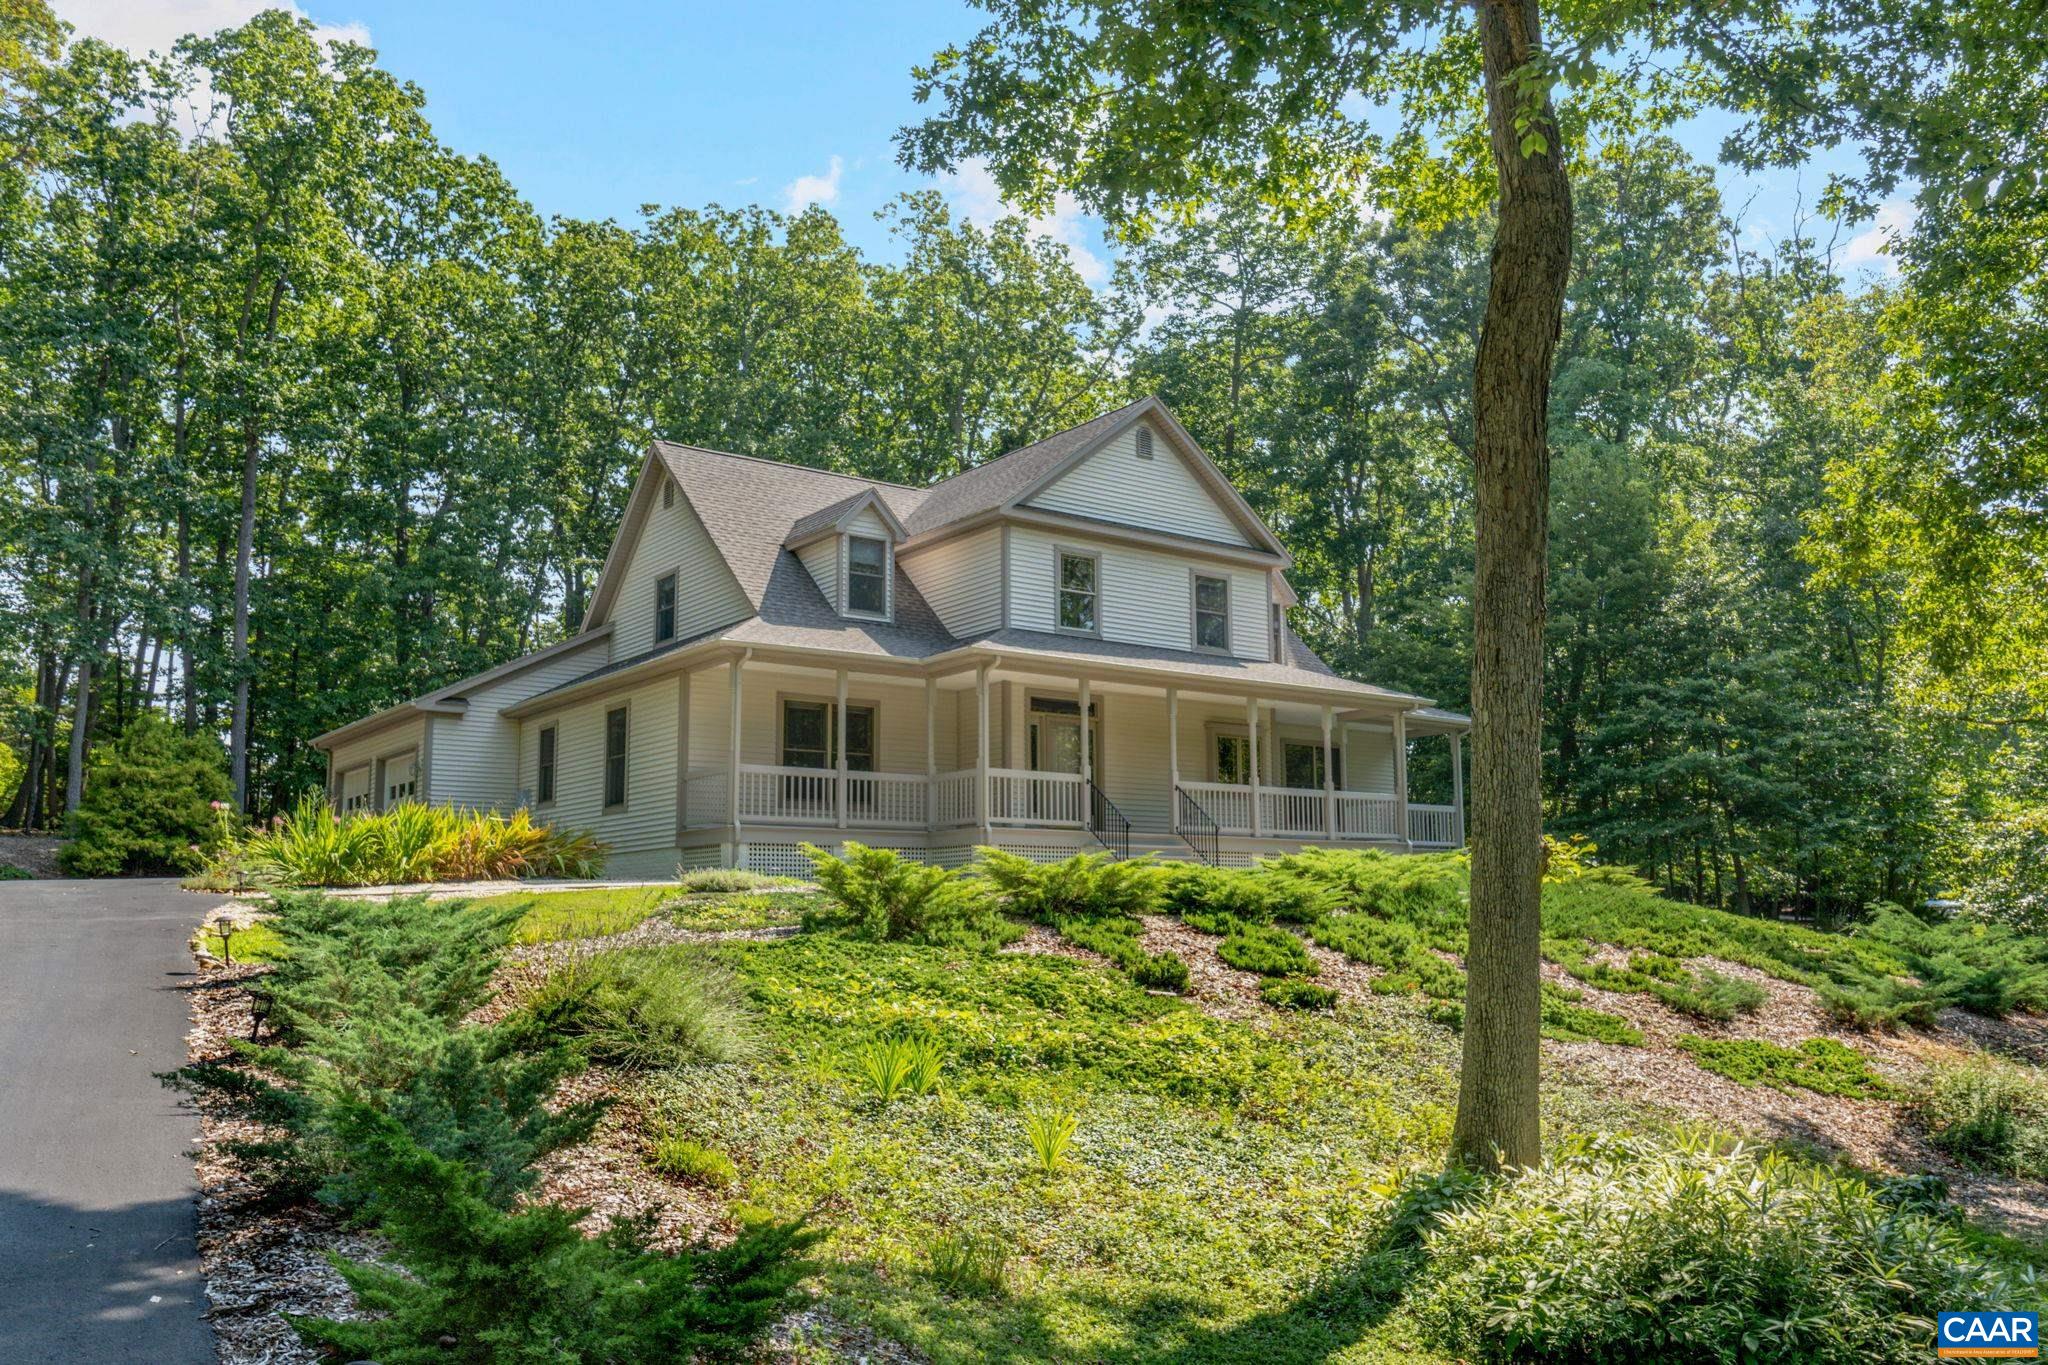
column 1107, row 823
column 1196, row 827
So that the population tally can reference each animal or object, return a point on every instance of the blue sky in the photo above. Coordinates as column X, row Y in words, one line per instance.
column 596, row 107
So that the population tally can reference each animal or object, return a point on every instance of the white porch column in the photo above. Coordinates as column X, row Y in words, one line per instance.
column 732, row 776
column 1329, row 783
column 1458, row 785
column 839, row 750
column 1251, row 755
column 1401, row 778
column 981, row 749
column 1087, row 758
column 1173, row 754
column 931, row 753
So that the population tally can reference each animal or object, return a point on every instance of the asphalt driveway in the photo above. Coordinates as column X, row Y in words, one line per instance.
column 97, row 1261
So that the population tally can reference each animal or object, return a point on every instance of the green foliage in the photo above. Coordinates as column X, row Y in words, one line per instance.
column 555, row 916
column 899, row 1064
column 10, row 873
column 643, row 1008
column 703, row 880
column 691, row 1161
column 1400, row 951
column 1292, row 993
column 1821, row 1065
column 1050, row 1131
column 474, row 1283
column 1084, row 886
column 1265, row 949
column 1568, row 1021
column 1698, row 1250
column 147, row 808
column 405, row 844
column 879, row 895
column 367, row 1002
column 1161, row 972
column 971, row 1264
column 1988, row 1114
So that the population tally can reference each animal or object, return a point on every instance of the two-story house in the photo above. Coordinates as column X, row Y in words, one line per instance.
column 1081, row 644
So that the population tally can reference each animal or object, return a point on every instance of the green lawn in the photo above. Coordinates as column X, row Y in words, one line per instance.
column 592, row 913
column 1220, row 1183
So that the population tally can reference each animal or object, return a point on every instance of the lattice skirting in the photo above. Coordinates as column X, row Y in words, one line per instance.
column 789, row 860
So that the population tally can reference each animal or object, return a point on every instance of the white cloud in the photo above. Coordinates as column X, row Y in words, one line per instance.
column 1893, row 221
column 145, row 26
column 806, row 190
column 974, row 195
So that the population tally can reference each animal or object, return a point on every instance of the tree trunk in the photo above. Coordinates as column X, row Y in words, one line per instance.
column 1497, row 1122
column 245, row 551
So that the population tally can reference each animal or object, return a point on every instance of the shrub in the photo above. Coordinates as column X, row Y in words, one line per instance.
column 1161, row 972
column 685, row 1160
column 1399, row 950
column 1818, row 1064
column 1050, row 1131
column 473, row 1284
column 879, row 895
column 644, row 1008
column 1568, row 1021
column 1699, row 1250
column 147, row 806
column 1292, row 993
column 899, row 1064
column 1267, row 950
column 1988, row 1114
column 706, row 880
column 1081, row 887
column 1199, row 890
column 371, row 996
column 10, row 873
column 973, row 1264
column 408, row 843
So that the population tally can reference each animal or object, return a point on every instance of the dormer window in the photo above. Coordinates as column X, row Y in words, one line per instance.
column 665, row 609
column 867, row 576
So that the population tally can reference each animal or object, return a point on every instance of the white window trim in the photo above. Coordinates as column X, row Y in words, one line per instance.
column 604, row 726
column 832, row 722
column 1195, row 614
column 674, row 576
column 888, row 612
column 1060, row 554
column 539, row 801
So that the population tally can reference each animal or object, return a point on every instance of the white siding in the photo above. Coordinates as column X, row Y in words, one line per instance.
column 474, row 758
column 400, row 741
column 899, row 717
column 1159, row 494
column 868, row 522
column 962, row 578
column 673, row 541
column 821, row 557
column 1146, row 596
column 1368, row 759
column 1133, row 767
column 646, row 824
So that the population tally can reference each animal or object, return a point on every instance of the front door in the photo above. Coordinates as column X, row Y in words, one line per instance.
column 1055, row 740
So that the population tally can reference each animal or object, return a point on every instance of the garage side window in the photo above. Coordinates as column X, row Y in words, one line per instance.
column 615, row 757
column 544, row 783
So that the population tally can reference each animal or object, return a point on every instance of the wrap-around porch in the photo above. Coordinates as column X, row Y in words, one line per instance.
column 998, row 752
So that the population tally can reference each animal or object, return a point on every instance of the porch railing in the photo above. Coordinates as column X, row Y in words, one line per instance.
column 1204, row 812
column 1108, row 824
column 1195, row 827
column 1434, row 826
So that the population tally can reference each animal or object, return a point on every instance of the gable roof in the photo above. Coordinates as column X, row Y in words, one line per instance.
column 836, row 516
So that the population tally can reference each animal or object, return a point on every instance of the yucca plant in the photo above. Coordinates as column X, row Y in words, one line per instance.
column 1050, row 1131
column 899, row 1065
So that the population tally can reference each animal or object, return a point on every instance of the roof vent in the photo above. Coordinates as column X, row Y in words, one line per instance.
column 668, row 494
column 1144, row 443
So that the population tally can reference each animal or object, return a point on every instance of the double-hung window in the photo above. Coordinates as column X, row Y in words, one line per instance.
column 1079, row 593
column 615, row 757
column 1303, row 765
column 665, row 609
column 867, row 576
column 1212, row 614
column 807, row 736
column 544, row 779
